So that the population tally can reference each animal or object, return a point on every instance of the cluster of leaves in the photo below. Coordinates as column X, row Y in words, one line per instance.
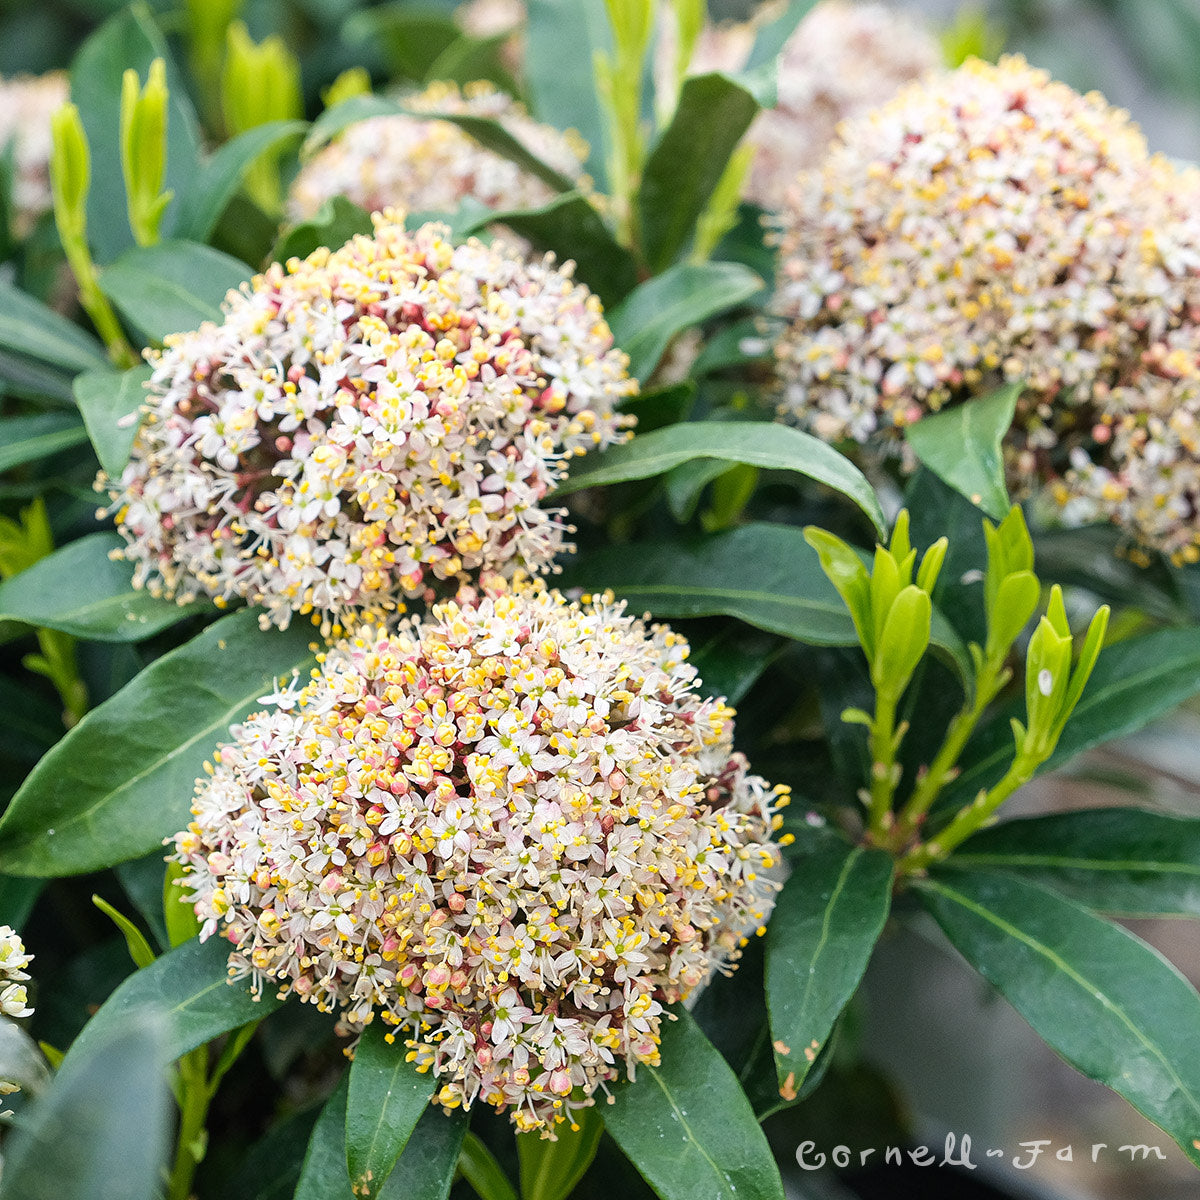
column 899, row 692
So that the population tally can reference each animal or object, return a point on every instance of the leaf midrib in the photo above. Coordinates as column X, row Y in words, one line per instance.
column 1089, row 864
column 682, row 1118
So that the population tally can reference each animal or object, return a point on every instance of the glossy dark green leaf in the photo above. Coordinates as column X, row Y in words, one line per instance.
column 1119, row 860
column 81, row 591
column 485, row 130
column 551, row 1169
column 679, row 299
column 425, row 1170
column 469, row 59
column 573, row 229
column 171, row 287
column 30, row 330
column 220, row 177
column 412, row 37
column 562, row 39
column 190, row 990
column 687, row 1125
column 481, row 1170
column 738, row 344
column 109, row 402
column 27, row 439
column 820, row 937
column 17, row 898
column 687, row 161
column 731, row 662
column 962, row 445
column 100, row 1131
column 122, row 779
column 129, row 39
column 334, row 224
column 1111, row 1005
column 386, row 1098
column 757, row 443
column 1134, row 681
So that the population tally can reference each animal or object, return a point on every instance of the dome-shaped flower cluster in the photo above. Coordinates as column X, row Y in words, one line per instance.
column 512, row 831
column 427, row 165
column 14, row 1001
column 991, row 225
column 27, row 102
column 843, row 60
column 367, row 423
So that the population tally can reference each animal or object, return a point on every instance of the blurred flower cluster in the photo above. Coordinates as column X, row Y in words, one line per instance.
column 511, row 830
column 367, row 423
column 26, row 105
column 990, row 225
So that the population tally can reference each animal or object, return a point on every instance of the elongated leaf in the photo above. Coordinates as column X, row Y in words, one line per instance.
column 109, row 401
column 686, row 163
column 688, row 1127
column 81, row 591
column 1112, row 1006
column 765, row 575
column 412, row 37
column 386, row 1098
column 122, row 779
column 758, row 443
column 481, row 1170
column 172, row 287
column 562, row 39
column 221, row 176
column 551, row 1169
column 189, row 989
column 129, row 39
column 573, row 229
column 962, row 445
column 820, row 938
column 1119, row 860
column 485, row 130
column 334, row 224
column 1134, row 682
column 100, row 1132
column 26, row 439
column 678, row 299
column 425, row 1170
column 29, row 329
column 773, row 36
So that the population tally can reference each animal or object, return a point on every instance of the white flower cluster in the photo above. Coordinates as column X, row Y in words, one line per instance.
column 512, row 831
column 427, row 165
column 991, row 225
column 26, row 105
column 368, row 423
column 14, row 1002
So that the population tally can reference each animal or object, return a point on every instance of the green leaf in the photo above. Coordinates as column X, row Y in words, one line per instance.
column 31, row 331
column 80, row 590
column 190, row 988
column 411, row 37
column 773, row 36
column 550, row 1170
column 335, row 223
column 562, row 39
column 765, row 575
column 172, row 287
column 110, row 402
column 221, row 176
column 731, row 662
column 135, row 940
column 179, row 917
column 1134, row 681
column 819, row 940
column 1119, row 860
column 687, row 1125
column 26, row 439
column 100, row 1132
column 424, row 1172
column 1111, row 1005
column 386, row 1098
column 962, row 445
column 573, row 229
column 679, row 299
column 129, row 39
column 481, row 1170
column 686, row 162
column 121, row 780
column 757, row 443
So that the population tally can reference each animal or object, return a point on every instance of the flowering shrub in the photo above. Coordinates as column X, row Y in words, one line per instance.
column 366, row 423
column 420, row 165
column 512, row 830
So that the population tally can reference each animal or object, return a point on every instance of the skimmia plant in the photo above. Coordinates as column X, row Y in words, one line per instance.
column 417, row 442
